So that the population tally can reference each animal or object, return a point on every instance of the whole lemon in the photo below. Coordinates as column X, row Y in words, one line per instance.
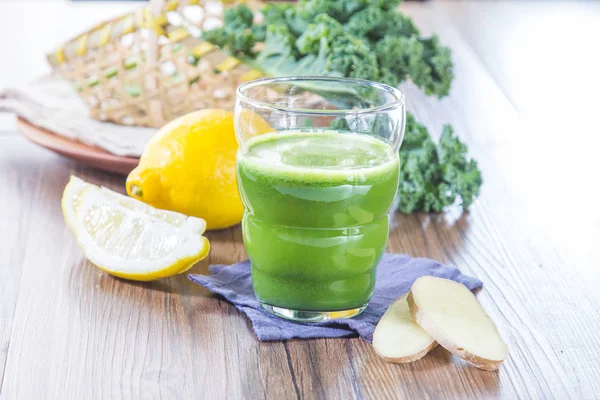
column 189, row 167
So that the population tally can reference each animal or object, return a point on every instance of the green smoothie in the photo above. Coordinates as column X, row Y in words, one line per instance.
column 316, row 219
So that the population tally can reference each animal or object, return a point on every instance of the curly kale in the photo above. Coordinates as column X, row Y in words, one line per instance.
column 237, row 33
column 323, row 31
column 279, row 14
column 461, row 175
column 368, row 39
column 278, row 56
column 364, row 38
column 434, row 176
column 401, row 57
column 324, row 48
column 423, row 61
column 402, row 54
column 340, row 10
column 347, row 56
column 375, row 23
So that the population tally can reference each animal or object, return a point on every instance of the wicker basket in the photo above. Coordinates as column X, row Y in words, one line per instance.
column 150, row 66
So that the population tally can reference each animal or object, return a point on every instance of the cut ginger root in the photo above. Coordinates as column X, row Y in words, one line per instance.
column 451, row 314
column 398, row 338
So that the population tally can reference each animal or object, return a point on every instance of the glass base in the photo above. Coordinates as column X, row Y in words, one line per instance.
column 311, row 316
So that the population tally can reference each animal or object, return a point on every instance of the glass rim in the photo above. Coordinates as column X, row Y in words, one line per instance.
column 396, row 93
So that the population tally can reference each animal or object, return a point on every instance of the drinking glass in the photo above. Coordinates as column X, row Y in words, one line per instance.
column 317, row 172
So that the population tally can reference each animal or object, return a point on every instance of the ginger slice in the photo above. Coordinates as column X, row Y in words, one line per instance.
column 398, row 338
column 451, row 314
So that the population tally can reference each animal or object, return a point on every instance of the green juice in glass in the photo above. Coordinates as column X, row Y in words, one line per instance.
column 316, row 219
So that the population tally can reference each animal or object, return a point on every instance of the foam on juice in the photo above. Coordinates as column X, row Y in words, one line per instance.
column 318, row 155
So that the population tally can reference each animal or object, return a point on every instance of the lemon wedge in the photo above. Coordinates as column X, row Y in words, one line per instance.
column 70, row 199
column 128, row 238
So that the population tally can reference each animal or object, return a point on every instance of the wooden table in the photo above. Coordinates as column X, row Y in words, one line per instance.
column 524, row 98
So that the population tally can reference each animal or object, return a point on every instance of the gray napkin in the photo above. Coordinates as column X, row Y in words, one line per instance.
column 395, row 275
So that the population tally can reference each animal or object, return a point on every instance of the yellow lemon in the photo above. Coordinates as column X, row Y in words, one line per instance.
column 128, row 238
column 189, row 167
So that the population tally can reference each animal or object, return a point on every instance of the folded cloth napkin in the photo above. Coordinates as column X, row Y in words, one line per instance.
column 51, row 103
column 395, row 275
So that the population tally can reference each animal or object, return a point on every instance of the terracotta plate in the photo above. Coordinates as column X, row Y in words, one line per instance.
column 86, row 154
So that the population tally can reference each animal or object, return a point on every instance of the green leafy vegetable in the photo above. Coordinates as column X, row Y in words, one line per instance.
column 367, row 39
column 424, row 62
column 358, row 38
column 375, row 23
column 278, row 57
column 236, row 34
column 434, row 176
column 346, row 55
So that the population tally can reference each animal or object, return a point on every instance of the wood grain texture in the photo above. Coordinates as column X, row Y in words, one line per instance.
column 70, row 331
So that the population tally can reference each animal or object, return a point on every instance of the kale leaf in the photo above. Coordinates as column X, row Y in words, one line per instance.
column 434, row 176
column 236, row 34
